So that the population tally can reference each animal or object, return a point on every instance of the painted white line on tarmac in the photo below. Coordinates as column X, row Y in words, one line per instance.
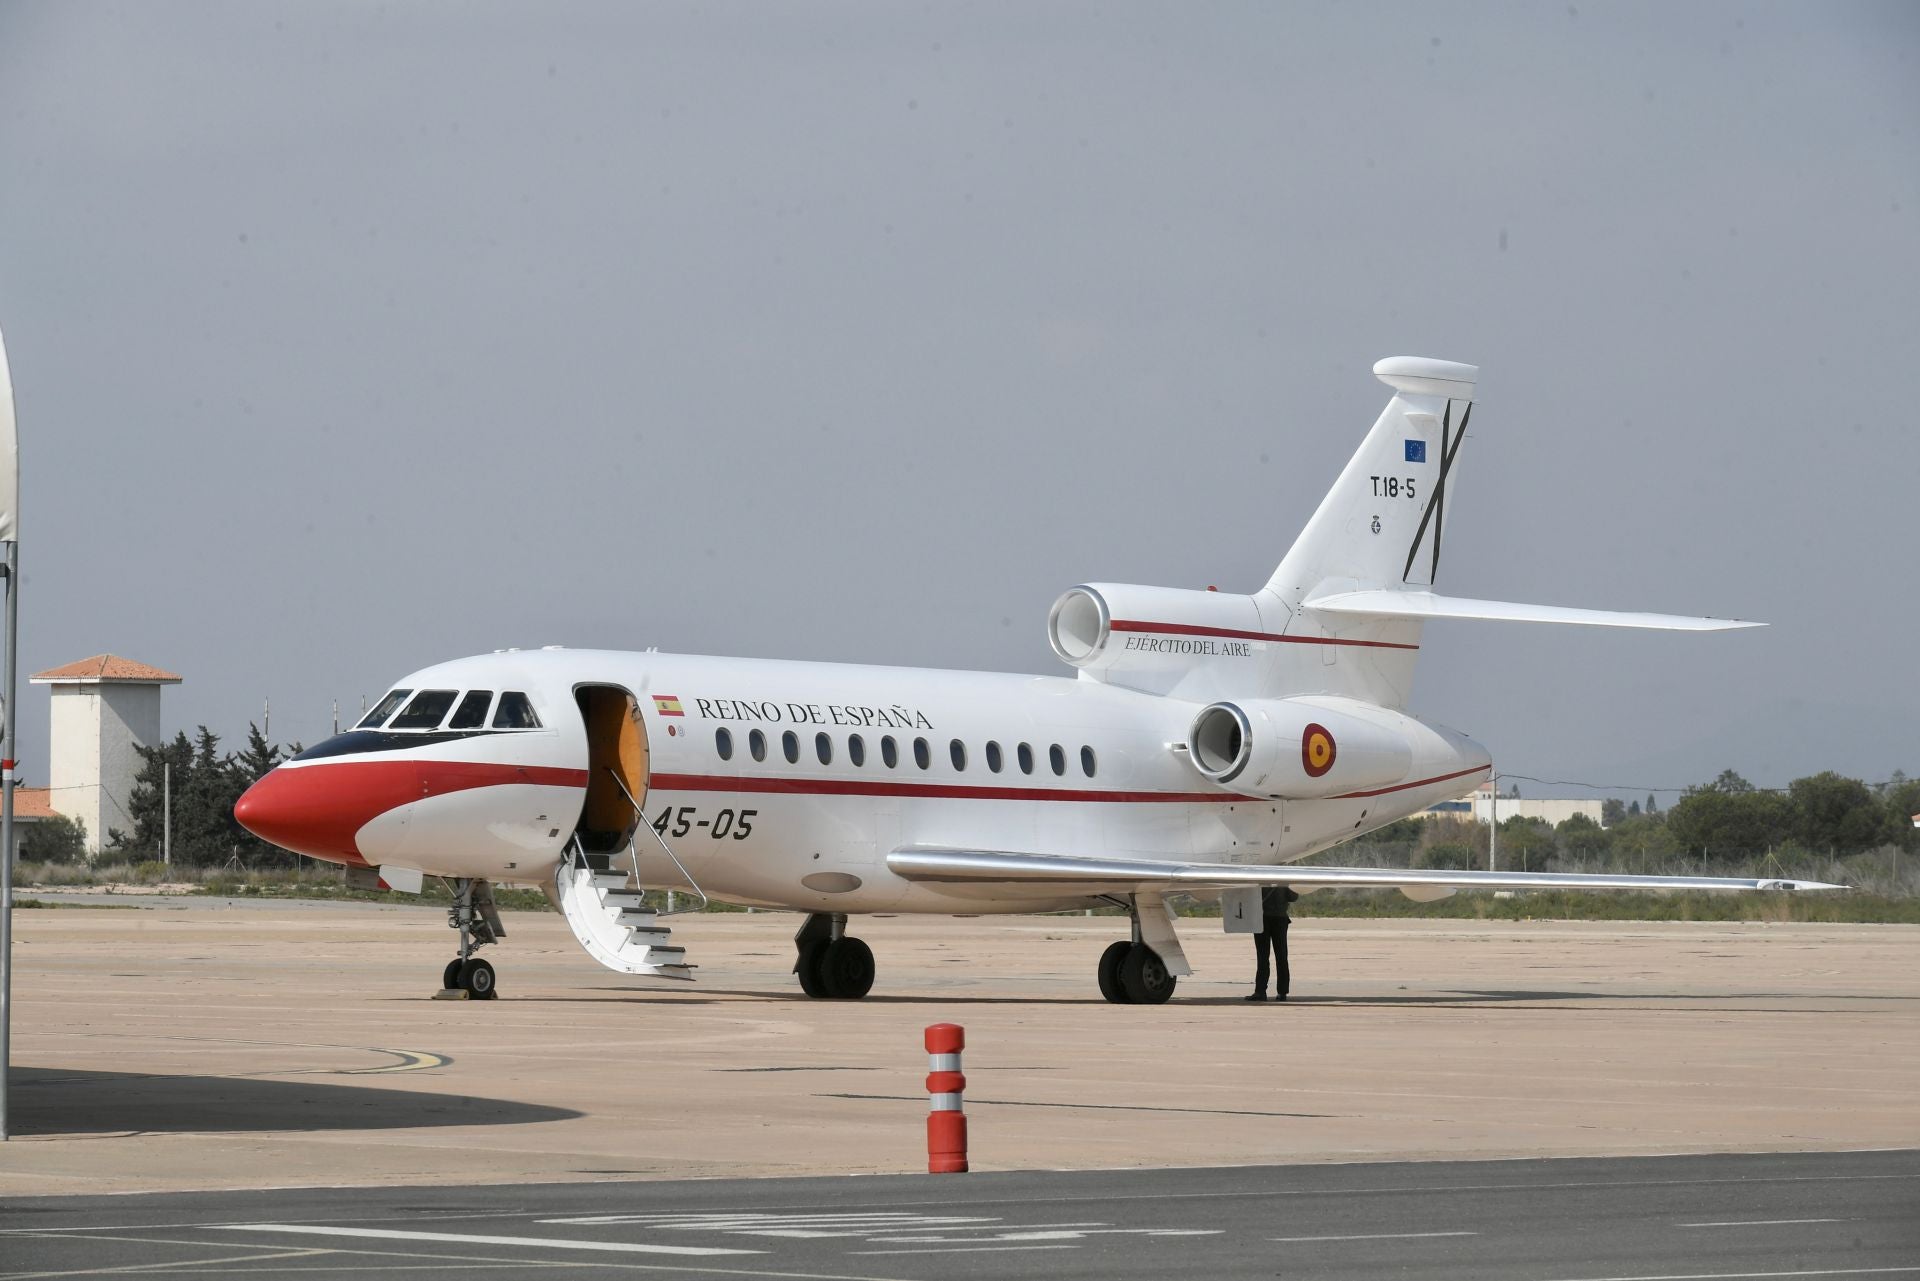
column 1754, row 1223
column 967, row 1249
column 1378, row 1236
column 1753, row 1276
column 457, row 1238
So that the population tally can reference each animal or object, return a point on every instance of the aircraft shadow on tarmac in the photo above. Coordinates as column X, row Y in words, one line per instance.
column 50, row 1101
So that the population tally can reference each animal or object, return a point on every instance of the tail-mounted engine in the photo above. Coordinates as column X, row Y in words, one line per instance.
column 1164, row 639
column 1299, row 748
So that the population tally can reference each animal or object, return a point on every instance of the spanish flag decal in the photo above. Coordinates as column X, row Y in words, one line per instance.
column 667, row 705
column 1316, row 750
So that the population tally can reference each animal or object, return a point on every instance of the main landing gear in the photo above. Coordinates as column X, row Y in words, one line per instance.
column 1131, row 973
column 830, row 962
column 474, row 915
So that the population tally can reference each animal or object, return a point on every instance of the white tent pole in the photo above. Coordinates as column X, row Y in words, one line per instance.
column 6, row 837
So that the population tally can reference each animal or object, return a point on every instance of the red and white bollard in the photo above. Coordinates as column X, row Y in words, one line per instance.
column 946, row 1123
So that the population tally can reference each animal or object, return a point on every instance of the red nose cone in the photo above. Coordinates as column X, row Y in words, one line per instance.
column 313, row 810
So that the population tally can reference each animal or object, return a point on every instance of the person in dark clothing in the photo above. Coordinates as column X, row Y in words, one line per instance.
column 1273, row 934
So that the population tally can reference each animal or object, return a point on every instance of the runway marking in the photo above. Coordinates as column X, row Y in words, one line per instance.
column 1751, row 1276
column 127, row 1269
column 1095, row 1107
column 966, row 1249
column 458, row 1238
column 1754, row 1223
column 1378, row 1236
column 410, row 1061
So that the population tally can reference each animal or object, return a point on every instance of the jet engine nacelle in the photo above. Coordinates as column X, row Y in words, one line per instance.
column 1299, row 748
column 1103, row 627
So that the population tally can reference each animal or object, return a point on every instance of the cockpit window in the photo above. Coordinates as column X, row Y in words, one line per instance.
column 427, row 710
column 515, row 712
column 383, row 709
column 472, row 712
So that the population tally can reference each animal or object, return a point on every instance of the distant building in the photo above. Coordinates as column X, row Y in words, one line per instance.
column 104, row 708
column 30, row 805
column 1479, row 806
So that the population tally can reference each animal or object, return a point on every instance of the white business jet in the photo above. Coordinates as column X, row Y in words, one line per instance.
column 1207, row 742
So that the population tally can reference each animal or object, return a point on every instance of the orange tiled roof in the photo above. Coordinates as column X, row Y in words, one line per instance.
column 105, row 667
column 32, row 802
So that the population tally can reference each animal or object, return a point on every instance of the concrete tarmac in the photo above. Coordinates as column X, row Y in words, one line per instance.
column 1619, row 1219
column 190, row 1045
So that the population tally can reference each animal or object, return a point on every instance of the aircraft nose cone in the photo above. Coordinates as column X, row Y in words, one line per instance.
column 303, row 810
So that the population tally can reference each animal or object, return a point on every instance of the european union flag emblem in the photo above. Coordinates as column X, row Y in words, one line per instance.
column 1416, row 451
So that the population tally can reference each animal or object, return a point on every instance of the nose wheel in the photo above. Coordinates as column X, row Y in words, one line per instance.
column 473, row 914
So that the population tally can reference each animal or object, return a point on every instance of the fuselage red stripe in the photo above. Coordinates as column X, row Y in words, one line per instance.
column 1418, row 782
column 1230, row 633
column 938, row 791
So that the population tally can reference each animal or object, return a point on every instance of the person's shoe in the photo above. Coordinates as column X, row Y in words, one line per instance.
column 1280, row 996
column 1258, row 996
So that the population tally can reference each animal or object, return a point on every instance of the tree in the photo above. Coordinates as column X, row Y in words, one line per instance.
column 1525, row 843
column 1830, row 812
column 53, row 840
column 1580, row 837
column 1633, row 810
column 145, row 804
column 1613, row 810
column 1729, row 817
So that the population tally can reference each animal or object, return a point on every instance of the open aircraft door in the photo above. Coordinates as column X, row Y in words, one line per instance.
column 598, row 883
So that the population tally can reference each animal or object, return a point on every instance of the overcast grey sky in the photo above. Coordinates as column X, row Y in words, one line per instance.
column 348, row 338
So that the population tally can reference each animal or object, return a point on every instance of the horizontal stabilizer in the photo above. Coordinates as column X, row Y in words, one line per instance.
column 1425, row 605
column 1121, row 876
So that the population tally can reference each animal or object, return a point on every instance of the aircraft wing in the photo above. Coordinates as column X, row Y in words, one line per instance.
column 1133, row 876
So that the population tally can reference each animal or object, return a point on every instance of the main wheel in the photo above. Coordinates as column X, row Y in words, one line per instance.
column 846, row 969
column 1144, row 976
column 477, row 977
column 1110, row 962
column 812, row 962
column 450, row 977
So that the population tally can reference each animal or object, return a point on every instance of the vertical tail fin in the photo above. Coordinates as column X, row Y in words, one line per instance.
column 1380, row 526
column 1378, row 529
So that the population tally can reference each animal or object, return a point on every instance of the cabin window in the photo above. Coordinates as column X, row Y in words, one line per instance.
column 889, row 754
column 856, row 749
column 958, row 751
column 426, row 711
column 757, row 745
column 515, row 712
column 823, row 747
column 790, row 747
column 472, row 712
column 383, row 709
column 994, row 762
column 1026, row 759
column 1086, row 761
column 723, row 743
column 921, row 756
column 1057, row 758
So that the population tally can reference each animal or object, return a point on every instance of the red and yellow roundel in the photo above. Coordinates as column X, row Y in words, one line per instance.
column 1316, row 750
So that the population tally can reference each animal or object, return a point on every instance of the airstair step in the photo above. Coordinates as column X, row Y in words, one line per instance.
column 608, row 879
column 649, row 938
column 637, row 918
column 665, row 955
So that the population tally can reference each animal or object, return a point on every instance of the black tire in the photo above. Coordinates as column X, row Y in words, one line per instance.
column 846, row 969
column 477, row 977
column 812, row 957
column 1110, row 962
column 1144, row 976
column 450, row 977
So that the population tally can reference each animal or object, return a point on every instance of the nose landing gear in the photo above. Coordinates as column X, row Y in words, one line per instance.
column 832, row 963
column 478, row 920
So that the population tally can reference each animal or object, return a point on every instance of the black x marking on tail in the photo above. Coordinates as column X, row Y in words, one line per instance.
column 1436, row 512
